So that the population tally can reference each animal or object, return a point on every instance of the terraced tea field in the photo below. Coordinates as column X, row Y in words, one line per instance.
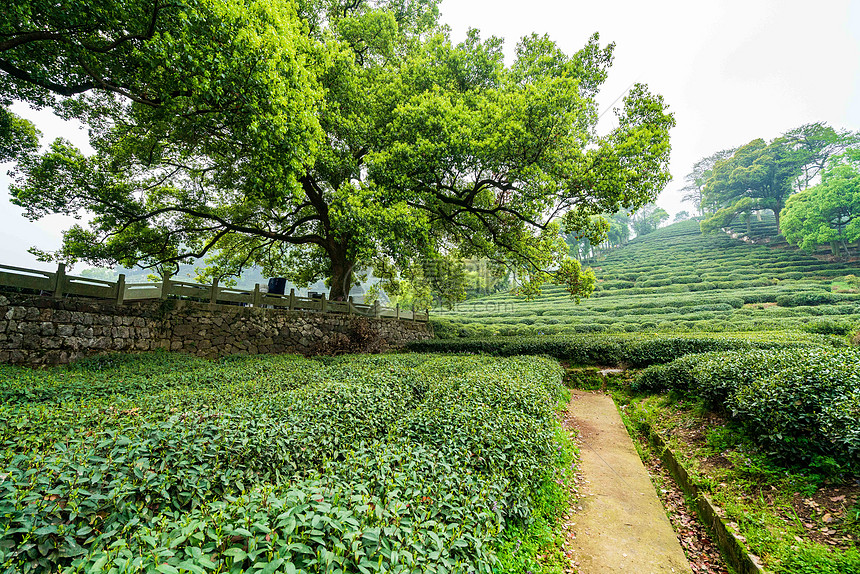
column 166, row 463
column 677, row 280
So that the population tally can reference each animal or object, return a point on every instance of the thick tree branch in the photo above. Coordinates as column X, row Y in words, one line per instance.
column 63, row 90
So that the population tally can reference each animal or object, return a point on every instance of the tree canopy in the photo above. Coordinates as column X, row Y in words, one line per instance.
column 827, row 213
column 18, row 137
column 817, row 143
column 758, row 174
column 316, row 138
column 762, row 175
column 694, row 182
column 648, row 219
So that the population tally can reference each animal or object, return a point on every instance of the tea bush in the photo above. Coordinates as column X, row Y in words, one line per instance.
column 353, row 464
column 786, row 410
column 634, row 350
column 796, row 403
column 829, row 327
column 812, row 298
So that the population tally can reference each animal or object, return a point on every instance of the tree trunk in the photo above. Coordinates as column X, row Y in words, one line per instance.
column 341, row 278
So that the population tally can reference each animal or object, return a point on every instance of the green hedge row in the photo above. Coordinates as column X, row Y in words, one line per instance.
column 797, row 403
column 813, row 298
column 632, row 350
column 353, row 464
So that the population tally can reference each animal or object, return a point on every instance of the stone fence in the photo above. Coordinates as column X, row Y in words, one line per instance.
column 37, row 330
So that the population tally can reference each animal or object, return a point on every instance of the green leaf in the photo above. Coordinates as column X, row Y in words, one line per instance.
column 237, row 554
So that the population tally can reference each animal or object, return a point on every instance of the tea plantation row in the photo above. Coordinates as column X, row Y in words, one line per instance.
column 799, row 404
column 634, row 350
column 356, row 464
column 676, row 279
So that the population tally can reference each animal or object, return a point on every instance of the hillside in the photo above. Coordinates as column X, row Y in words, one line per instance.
column 676, row 279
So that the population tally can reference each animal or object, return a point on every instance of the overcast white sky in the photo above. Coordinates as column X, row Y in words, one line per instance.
column 730, row 70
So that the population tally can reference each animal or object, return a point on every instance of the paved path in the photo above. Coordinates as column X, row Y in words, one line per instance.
column 622, row 526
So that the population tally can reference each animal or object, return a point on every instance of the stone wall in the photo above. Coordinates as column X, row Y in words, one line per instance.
column 40, row 330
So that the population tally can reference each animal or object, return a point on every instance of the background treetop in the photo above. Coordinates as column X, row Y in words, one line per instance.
column 762, row 175
column 829, row 212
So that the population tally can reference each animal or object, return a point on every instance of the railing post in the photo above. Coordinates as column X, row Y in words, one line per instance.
column 397, row 311
column 60, row 281
column 120, row 289
column 292, row 299
column 165, row 286
column 213, row 292
column 426, row 315
column 323, row 304
column 376, row 309
column 349, row 309
column 258, row 298
column 413, row 312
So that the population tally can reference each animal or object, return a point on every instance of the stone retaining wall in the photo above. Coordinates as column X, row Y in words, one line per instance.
column 40, row 330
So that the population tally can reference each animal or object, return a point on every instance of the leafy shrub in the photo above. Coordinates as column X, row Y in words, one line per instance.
column 838, row 421
column 588, row 379
column 829, row 327
column 713, row 376
column 798, row 403
column 654, row 283
column 703, row 286
column 684, row 279
column 378, row 463
column 785, row 410
column 368, row 514
column 633, row 350
column 791, row 275
column 676, row 375
column 808, row 298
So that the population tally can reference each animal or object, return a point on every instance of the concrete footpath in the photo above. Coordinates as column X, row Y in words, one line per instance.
column 622, row 526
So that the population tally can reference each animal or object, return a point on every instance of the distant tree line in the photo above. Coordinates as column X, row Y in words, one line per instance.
column 808, row 177
column 621, row 228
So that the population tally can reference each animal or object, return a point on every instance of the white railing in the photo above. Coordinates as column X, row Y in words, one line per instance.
column 58, row 284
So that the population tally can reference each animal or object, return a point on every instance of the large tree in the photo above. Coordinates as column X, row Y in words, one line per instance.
column 109, row 62
column 827, row 213
column 759, row 172
column 184, row 101
column 694, row 182
column 18, row 137
column 369, row 136
column 51, row 49
column 762, row 175
column 619, row 229
column 816, row 143
column 648, row 219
